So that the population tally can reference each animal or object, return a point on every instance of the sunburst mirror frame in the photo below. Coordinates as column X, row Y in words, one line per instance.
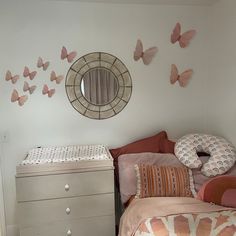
column 98, row 60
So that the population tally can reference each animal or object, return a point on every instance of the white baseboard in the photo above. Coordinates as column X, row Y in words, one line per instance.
column 12, row 230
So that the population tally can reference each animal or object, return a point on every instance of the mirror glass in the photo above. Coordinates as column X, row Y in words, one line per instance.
column 99, row 86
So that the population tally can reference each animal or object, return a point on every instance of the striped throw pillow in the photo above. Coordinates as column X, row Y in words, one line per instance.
column 164, row 181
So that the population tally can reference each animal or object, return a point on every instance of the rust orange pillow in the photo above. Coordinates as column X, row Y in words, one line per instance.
column 220, row 190
column 163, row 181
column 149, row 144
column 167, row 146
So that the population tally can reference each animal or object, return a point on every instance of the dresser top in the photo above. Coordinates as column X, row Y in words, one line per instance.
column 74, row 153
column 65, row 158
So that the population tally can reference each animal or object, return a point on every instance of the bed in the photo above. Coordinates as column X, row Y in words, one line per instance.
column 170, row 215
column 152, row 212
column 176, row 216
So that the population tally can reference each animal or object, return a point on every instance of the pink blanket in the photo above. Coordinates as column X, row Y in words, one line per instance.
column 144, row 215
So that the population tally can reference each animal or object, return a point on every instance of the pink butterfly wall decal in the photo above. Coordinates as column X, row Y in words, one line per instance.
column 29, row 74
column 26, row 87
column 40, row 64
column 11, row 77
column 48, row 91
column 69, row 56
column 146, row 55
column 58, row 78
column 21, row 99
column 183, row 39
column 183, row 78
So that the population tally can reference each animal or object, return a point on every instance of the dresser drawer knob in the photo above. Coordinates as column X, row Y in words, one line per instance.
column 67, row 210
column 69, row 233
column 67, row 187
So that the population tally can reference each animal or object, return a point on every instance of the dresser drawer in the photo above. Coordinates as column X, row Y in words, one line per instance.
column 64, row 185
column 100, row 226
column 41, row 212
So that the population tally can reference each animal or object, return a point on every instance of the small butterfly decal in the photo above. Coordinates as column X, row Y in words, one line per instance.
column 69, row 56
column 40, row 64
column 29, row 74
column 48, row 91
column 146, row 55
column 26, row 87
column 183, row 39
column 58, row 78
column 183, row 78
column 21, row 99
column 10, row 77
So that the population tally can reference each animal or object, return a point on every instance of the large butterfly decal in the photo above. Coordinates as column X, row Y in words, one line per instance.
column 21, row 99
column 42, row 64
column 146, row 55
column 69, row 56
column 182, row 78
column 183, row 39
column 58, row 78
column 11, row 77
column 26, row 87
column 29, row 74
column 48, row 91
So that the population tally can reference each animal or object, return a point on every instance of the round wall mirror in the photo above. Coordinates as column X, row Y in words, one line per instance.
column 98, row 85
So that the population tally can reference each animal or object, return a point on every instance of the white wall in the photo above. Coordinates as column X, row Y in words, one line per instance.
column 2, row 206
column 221, row 112
column 41, row 29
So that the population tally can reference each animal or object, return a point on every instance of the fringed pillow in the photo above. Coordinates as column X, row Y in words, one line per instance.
column 164, row 181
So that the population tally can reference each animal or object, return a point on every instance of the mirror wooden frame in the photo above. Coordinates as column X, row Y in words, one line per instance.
column 92, row 61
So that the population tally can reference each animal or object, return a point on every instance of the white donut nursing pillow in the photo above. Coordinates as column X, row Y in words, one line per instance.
column 222, row 153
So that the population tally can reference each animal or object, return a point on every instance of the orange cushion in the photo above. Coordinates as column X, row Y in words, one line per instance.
column 216, row 191
column 163, row 181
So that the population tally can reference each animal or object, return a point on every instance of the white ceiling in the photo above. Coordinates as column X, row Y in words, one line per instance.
column 165, row 2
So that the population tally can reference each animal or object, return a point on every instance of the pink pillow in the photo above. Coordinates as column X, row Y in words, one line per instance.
column 158, row 143
column 220, row 190
column 229, row 198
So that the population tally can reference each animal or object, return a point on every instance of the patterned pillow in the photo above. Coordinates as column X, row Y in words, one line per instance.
column 164, row 181
column 127, row 175
column 222, row 153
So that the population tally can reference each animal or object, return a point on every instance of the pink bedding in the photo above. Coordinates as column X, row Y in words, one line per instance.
column 127, row 176
column 176, row 216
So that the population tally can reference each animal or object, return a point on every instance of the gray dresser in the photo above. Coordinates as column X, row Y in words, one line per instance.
column 66, row 199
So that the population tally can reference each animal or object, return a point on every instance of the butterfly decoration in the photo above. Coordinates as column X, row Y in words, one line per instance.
column 146, row 55
column 11, row 77
column 183, row 39
column 21, row 99
column 58, row 78
column 26, row 87
column 42, row 64
column 183, row 78
column 48, row 91
column 29, row 74
column 69, row 56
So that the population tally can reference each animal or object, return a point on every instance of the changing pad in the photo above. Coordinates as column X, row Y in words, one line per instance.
column 65, row 157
